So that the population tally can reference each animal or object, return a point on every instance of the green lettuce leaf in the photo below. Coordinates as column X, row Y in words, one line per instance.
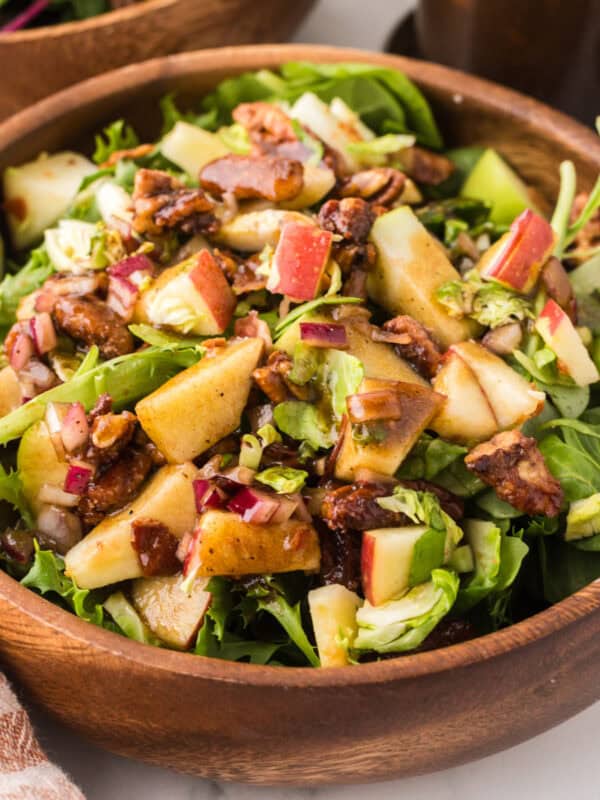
column 312, row 305
column 302, row 422
column 402, row 625
column 128, row 620
column 284, row 480
column 487, row 302
column 565, row 569
column 11, row 491
column 429, row 457
column 573, row 455
column 29, row 278
column 116, row 136
column 125, row 378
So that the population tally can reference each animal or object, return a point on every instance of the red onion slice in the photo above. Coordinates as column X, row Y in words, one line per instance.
column 75, row 429
column 253, row 505
column 77, row 479
column 137, row 263
column 54, row 495
column 43, row 333
column 122, row 296
column 324, row 334
column 59, row 526
column 207, row 495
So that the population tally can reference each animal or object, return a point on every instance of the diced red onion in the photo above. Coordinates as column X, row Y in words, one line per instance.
column 78, row 285
column 287, row 507
column 253, row 505
column 75, row 429
column 191, row 563
column 122, row 296
column 21, row 351
column 183, row 546
column 324, row 334
column 54, row 495
column 37, row 374
column 381, row 404
column 253, row 327
column 77, row 479
column 137, row 263
column 207, row 495
column 43, row 333
column 60, row 526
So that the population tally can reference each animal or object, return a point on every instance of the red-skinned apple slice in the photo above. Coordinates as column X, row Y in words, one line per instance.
column 467, row 416
column 216, row 293
column 299, row 261
column 559, row 333
column 517, row 258
column 386, row 559
column 512, row 399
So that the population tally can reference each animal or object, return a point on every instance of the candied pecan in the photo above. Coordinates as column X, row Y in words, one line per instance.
column 355, row 507
column 589, row 235
column 265, row 122
column 139, row 151
column 380, row 185
column 512, row 464
column 103, row 405
column 110, row 434
column 340, row 558
column 242, row 274
column 155, row 546
column 413, row 343
column 115, row 487
column 351, row 218
column 91, row 321
column 246, row 177
column 423, row 166
column 273, row 379
column 162, row 203
column 355, row 284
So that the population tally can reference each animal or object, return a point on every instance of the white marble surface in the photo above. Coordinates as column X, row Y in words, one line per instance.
column 560, row 764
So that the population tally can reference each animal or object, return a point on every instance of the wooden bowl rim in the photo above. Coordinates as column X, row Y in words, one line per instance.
column 114, row 17
column 567, row 612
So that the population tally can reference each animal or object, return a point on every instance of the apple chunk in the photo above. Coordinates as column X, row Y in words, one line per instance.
column 333, row 612
column 299, row 261
column 106, row 554
column 517, row 258
column 191, row 147
column 191, row 297
column 224, row 544
column 386, row 561
column 384, row 453
column 411, row 266
column 466, row 416
column 512, row 399
column 172, row 614
column 202, row 404
column 559, row 333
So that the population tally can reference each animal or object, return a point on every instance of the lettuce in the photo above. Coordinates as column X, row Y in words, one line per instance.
column 29, row 278
column 128, row 620
column 401, row 625
column 303, row 422
column 116, row 136
column 429, row 457
column 487, row 302
column 312, row 305
column 573, row 455
column 125, row 379
column 11, row 491
column 284, row 480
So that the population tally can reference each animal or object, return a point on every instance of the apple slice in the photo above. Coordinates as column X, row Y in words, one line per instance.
column 386, row 561
column 419, row 404
column 191, row 147
column 224, row 544
column 251, row 231
column 559, row 333
column 467, row 416
column 517, row 258
column 172, row 614
column 191, row 297
column 512, row 399
column 333, row 612
column 411, row 266
column 192, row 411
column 299, row 262
column 318, row 181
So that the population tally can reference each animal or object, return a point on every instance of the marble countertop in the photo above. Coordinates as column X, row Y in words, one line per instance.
column 562, row 763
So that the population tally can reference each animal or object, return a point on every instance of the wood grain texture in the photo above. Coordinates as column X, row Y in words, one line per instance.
column 271, row 725
column 43, row 60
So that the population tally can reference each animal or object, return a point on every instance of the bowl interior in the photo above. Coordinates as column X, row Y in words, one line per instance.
column 470, row 111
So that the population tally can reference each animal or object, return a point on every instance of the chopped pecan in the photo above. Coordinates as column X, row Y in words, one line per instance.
column 103, row 405
column 273, row 379
column 380, row 185
column 589, row 236
column 90, row 321
column 423, row 166
column 355, row 284
column 265, row 122
column 139, row 151
column 351, row 218
column 413, row 343
column 162, row 203
column 115, row 487
column 512, row 464
column 266, row 177
column 242, row 274
column 340, row 558
column 110, row 435
column 155, row 546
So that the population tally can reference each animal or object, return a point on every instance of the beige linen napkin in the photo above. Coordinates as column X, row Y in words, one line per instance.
column 25, row 772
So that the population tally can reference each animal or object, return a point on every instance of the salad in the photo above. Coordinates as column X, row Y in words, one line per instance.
column 294, row 384
column 15, row 15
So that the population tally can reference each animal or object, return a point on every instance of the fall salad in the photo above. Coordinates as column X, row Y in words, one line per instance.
column 296, row 385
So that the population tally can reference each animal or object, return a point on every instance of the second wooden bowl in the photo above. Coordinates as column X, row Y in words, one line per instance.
column 41, row 61
column 272, row 725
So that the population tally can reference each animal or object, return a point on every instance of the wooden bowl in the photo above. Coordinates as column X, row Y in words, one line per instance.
column 41, row 61
column 272, row 725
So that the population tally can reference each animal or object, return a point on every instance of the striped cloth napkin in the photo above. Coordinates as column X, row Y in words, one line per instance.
column 25, row 772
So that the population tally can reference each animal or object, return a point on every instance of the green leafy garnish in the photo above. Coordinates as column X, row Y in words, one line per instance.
column 487, row 302
column 284, row 480
column 303, row 422
column 128, row 620
column 312, row 305
column 116, row 136
column 11, row 491
column 29, row 278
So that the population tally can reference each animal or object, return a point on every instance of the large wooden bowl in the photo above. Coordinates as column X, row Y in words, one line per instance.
column 274, row 725
column 41, row 61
